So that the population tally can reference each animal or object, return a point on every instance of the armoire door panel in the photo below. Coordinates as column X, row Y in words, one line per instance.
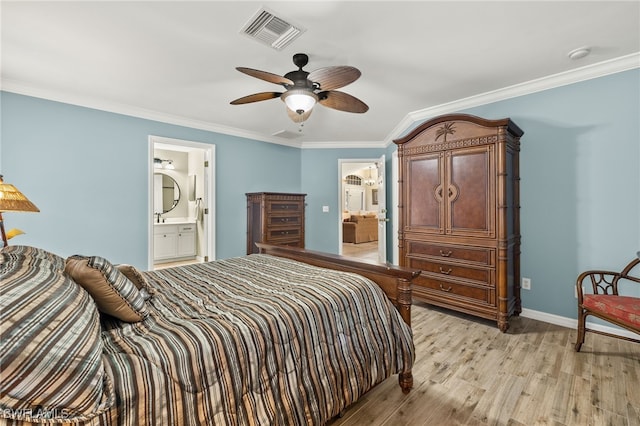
column 469, row 180
column 424, row 197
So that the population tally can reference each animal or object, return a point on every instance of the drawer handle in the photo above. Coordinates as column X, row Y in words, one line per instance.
column 445, row 289
column 442, row 271
column 445, row 253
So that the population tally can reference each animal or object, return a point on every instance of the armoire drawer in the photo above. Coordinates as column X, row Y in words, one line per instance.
column 286, row 220
column 454, row 289
column 480, row 275
column 477, row 255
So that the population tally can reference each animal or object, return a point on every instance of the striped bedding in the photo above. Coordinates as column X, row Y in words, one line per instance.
column 255, row 340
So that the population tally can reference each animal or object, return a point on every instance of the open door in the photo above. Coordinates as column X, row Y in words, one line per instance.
column 382, row 211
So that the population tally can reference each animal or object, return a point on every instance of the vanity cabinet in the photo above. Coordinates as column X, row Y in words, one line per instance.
column 174, row 241
column 275, row 218
column 459, row 214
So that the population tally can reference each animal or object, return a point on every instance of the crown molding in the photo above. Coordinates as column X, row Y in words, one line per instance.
column 600, row 69
column 15, row 86
column 343, row 144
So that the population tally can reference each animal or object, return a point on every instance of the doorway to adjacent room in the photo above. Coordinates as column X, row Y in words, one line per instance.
column 363, row 212
column 181, row 202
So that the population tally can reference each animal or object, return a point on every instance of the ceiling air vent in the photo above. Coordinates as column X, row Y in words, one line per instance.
column 272, row 30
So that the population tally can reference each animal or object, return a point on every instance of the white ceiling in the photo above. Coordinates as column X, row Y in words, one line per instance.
column 175, row 61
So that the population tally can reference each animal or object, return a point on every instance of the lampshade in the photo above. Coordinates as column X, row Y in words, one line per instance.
column 12, row 200
column 299, row 100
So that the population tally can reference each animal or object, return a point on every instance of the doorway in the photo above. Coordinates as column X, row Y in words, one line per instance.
column 181, row 202
column 362, row 216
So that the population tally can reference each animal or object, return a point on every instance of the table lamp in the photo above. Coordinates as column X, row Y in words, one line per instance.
column 12, row 200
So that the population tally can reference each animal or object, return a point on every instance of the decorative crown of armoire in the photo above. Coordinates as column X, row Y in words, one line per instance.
column 459, row 214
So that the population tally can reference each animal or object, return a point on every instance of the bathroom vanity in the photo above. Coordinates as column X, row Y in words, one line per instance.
column 174, row 241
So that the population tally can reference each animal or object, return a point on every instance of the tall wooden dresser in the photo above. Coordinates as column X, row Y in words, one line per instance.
column 460, row 214
column 275, row 218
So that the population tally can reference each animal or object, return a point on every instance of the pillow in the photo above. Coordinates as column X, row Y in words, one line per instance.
column 114, row 294
column 136, row 278
column 133, row 275
column 35, row 254
column 51, row 349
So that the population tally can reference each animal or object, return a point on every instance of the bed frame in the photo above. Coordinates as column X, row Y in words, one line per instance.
column 395, row 281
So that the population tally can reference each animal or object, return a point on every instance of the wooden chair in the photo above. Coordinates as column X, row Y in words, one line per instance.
column 605, row 302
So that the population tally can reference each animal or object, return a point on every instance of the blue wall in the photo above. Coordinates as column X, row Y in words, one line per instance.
column 87, row 171
column 320, row 183
column 580, row 189
column 580, row 183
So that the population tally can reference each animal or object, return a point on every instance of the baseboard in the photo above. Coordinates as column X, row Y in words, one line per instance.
column 573, row 323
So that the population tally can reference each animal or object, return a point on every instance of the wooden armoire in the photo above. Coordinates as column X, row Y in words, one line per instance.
column 459, row 207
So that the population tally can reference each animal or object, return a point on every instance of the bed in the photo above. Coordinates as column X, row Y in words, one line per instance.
column 283, row 337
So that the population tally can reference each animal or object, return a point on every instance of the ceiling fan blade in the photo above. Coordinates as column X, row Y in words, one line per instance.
column 298, row 118
column 331, row 78
column 266, row 76
column 342, row 101
column 256, row 97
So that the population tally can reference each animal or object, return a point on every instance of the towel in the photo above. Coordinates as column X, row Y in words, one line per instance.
column 199, row 210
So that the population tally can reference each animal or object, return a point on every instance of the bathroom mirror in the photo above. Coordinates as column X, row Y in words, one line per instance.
column 166, row 193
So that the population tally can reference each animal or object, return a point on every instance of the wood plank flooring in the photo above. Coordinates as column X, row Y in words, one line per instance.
column 367, row 251
column 469, row 373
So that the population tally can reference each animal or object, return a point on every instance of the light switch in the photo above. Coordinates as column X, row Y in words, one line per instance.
column 325, row 209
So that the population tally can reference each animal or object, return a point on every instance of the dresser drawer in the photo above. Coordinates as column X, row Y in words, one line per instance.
column 478, row 255
column 284, row 206
column 480, row 275
column 286, row 220
column 454, row 290
column 288, row 233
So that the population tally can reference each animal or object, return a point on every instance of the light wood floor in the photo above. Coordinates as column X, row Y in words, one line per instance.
column 367, row 251
column 469, row 373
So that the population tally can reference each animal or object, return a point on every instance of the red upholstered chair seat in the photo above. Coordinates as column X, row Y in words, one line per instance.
column 623, row 308
column 605, row 302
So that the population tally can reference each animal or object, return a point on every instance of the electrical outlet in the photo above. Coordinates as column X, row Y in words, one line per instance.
column 526, row 283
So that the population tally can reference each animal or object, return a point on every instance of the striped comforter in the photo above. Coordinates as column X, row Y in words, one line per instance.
column 256, row 340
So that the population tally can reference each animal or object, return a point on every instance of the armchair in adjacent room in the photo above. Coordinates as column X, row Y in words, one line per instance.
column 360, row 229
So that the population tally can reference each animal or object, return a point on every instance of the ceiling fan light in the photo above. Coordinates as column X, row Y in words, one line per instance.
column 299, row 101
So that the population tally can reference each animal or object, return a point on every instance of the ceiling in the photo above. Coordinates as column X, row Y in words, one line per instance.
column 175, row 61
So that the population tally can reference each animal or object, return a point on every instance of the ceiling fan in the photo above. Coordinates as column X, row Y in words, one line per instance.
column 305, row 89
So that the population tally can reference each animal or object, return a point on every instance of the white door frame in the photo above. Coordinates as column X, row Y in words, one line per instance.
column 208, row 201
column 340, row 192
